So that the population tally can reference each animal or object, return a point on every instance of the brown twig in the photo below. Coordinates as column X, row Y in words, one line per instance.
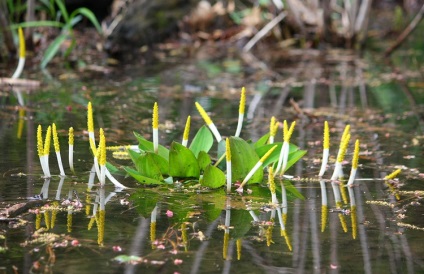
column 408, row 30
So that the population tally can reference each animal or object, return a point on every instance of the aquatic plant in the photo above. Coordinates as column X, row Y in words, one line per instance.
column 66, row 22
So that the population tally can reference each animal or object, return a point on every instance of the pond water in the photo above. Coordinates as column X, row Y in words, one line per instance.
column 70, row 225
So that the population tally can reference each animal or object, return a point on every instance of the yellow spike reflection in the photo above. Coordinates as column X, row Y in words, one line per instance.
column 286, row 237
column 354, row 221
column 268, row 235
column 184, row 236
column 69, row 221
column 91, row 223
column 324, row 214
column 153, row 234
column 101, row 227
column 38, row 221
column 47, row 219
column 343, row 192
column 225, row 246
column 20, row 123
column 343, row 222
column 238, row 243
column 55, row 205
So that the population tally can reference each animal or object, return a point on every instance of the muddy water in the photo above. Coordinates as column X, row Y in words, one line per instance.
column 61, row 227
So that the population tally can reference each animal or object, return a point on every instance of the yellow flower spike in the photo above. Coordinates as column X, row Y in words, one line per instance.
column 343, row 148
column 354, row 220
column 101, row 227
column 242, row 100
column 186, row 131
column 229, row 170
column 47, row 141
column 286, row 237
column 238, row 243
column 345, row 132
column 40, row 141
column 284, row 218
column 273, row 127
column 102, row 148
column 155, row 121
column 271, row 183
column 324, row 214
column 102, row 157
column 155, row 125
column 241, row 111
column 55, row 138
column 208, row 122
column 393, row 175
column 21, row 63
column 326, row 136
column 355, row 161
column 289, row 133
column 71, row 149
column 256, row 167
column 21, row 43
column 46, row 151
column 225, row 246
column 90, row 120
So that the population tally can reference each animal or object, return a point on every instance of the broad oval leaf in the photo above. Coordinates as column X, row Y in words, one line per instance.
column 243, row 159
column 182, row 162
column 213, row 177
column 148, row 165
column 202, row 141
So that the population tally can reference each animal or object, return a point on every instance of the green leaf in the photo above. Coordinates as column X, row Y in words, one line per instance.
column 293, row 190
column 63, row 10
column 145, row 200
column 89, row 15
column 38, row 24
column 203, row 159
column 53, row 49
column 241, row 220
column 147, row 164
column 146, row 145
column 213, row 177
column 294, row 157
column 203, row 141
column 182, row 162
column 262, row 141
column 140, row 178
column 213, row 203
column 243, row 159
